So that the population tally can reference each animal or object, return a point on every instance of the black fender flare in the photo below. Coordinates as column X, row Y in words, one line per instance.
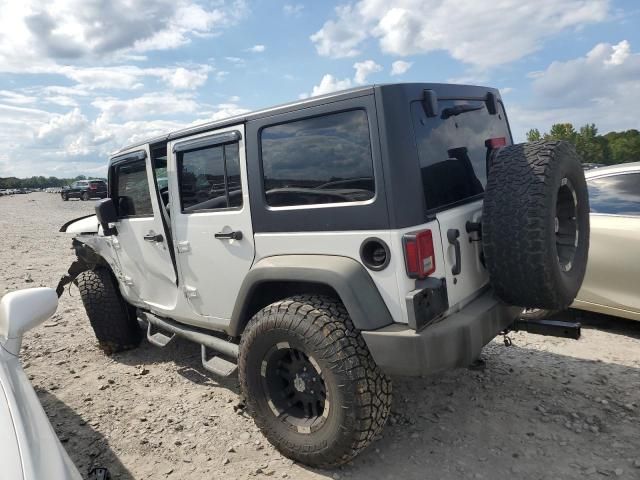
column 346, row 276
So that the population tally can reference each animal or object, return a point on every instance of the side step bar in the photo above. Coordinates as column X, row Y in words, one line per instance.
column 552, row 328
column 216, row 364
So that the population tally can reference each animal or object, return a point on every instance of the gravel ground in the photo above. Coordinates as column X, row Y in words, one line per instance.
column 543, row 408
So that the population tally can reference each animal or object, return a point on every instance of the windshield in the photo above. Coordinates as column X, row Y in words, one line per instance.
column 453, row 150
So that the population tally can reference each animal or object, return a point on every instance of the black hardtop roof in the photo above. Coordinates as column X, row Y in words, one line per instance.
column 443, row 90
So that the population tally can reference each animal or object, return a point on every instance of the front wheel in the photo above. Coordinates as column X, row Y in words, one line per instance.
column 112, row 319
column 310, row 382
column 65, row 197
column 85, row 196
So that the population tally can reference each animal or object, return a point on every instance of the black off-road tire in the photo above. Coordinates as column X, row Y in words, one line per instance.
column 535, row 224
column 358, row 393
column 110, row 316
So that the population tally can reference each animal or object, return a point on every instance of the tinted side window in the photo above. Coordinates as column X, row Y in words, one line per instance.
column 615, row 194
column 453, row 151
column 318, row 160
column 210, row 178
column 133, row 198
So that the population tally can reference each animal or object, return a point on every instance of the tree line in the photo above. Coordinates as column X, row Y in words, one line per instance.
column 608, row 149
column 38, row 182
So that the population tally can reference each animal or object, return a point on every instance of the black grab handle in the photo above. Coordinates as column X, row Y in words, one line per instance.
column 237, row 235
column 452, row 237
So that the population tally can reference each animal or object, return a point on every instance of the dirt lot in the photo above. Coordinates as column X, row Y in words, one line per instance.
column 543, row 408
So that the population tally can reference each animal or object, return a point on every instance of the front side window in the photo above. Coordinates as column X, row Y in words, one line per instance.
column 210, row 178
column 615, row 194
column 318, row 160
column 132, row 190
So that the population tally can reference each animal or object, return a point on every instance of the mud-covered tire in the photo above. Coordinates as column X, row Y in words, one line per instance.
column 358, row 394
column 110, row 316
column 535, row 224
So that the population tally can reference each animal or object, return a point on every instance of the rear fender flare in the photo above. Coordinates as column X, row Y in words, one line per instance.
column 347, row 277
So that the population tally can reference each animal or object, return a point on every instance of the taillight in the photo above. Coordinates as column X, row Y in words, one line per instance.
column 92, row 187
column 496, row 142
column 419, row 255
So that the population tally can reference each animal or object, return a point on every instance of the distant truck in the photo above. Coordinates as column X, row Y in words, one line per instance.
column 85, row 190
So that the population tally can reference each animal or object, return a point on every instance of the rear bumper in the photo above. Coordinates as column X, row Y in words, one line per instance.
column 455, row 341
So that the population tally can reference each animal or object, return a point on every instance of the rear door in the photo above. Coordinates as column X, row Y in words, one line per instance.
column 211, row 218
column 613, row 268
column 147, row 275
column 453, row 149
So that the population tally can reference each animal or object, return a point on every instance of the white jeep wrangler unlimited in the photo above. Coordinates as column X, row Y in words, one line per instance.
column 320, row 246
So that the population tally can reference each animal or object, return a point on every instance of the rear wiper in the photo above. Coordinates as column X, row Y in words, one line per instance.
column 458, row 109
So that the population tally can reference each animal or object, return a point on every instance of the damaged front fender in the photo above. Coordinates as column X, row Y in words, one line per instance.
column 87, row 259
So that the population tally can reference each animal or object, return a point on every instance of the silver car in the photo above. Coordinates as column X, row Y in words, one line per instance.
column 611, row 283
column 29, row 447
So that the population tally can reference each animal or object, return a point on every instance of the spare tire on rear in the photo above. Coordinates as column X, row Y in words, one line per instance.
column 535, row 224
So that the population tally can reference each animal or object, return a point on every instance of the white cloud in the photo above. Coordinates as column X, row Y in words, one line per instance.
column 256, row 49
column 400, row 67
column 184, row 79
column 41, row 143
column 364, row 69
column 330, row 84
column 606, row 70
column 41, row 33
column 127, row 77
column 16, row 98
column 237, row 61
column 293, row 9
column 145, row 106
column 61, row 100
column 601, row 87
column 341, row 38
column 61, row 126
column 483, row 36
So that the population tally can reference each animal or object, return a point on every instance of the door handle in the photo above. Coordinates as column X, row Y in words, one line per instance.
column 152, row 237
column 237, row 235
column 452, row 238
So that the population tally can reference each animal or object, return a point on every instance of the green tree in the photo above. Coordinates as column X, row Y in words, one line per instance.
column 533, row 135
column 590, row 145
column 625, row 146
column 562, row 131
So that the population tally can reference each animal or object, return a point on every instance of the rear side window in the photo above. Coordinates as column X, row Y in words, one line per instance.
column 210, row 178
column 615, row 194
column 319, row 160
column 133, row 198
column 452, row 148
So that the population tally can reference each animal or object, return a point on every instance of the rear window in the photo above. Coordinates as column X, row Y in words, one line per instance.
column 318, row 160
column 452, row 149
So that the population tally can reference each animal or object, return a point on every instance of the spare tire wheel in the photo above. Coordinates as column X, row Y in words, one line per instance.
column 535, row 224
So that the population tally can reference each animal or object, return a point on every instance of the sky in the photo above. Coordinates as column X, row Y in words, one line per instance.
column 81, row 78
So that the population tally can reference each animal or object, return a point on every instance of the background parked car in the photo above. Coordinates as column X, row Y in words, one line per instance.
column 611, row 284
column 85, row 189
